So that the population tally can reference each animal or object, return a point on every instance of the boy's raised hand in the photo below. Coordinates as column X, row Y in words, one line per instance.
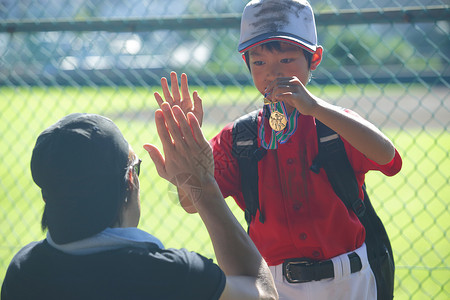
column 183, row 100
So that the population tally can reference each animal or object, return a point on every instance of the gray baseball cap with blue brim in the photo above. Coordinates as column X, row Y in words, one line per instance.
column 289, row 21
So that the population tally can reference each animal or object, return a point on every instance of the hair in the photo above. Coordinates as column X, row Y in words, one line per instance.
column 276, row 46
column 131, row 183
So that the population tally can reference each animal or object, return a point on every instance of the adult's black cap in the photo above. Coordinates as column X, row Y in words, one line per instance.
column 80, row 164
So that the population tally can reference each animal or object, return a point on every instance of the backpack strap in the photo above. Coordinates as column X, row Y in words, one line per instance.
column 246, row 151
column 333, row 158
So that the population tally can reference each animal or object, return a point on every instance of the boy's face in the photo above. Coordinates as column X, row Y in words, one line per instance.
column 267, row 65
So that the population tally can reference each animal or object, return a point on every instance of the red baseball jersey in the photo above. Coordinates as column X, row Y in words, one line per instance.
column 303, row 215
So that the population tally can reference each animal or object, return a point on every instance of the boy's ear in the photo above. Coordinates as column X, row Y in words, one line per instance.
column 316, row 58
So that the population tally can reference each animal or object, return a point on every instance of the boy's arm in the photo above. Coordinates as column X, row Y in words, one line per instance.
column 360, row 133
column 188, row 163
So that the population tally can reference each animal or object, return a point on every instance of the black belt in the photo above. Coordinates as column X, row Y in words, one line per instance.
column 299, row 270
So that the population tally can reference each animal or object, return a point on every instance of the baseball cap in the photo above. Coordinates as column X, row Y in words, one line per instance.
column 80, row 164
column 289, row 21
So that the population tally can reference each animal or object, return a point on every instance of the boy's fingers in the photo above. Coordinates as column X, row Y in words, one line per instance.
column 198, row 108
column 270, row 87
column 166, row 92
column 158, row 98
column 185, row 88
column 198, row 103
column 278, row 81
column 294, row 80
column 284, row 96
column 279, row 87
column 175, row 89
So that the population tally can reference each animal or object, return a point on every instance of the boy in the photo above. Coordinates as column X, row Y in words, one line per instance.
column 300, row 216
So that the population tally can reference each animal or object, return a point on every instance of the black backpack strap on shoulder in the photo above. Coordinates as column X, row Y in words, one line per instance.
column 245, row 150
column 333, row 158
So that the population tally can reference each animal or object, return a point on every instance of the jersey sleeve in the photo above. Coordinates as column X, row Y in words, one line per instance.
column 362, row 164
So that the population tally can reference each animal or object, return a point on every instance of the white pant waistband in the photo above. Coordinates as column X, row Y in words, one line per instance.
column 341, row 264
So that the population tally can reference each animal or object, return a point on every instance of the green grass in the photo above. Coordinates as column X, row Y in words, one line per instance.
column 413, row 204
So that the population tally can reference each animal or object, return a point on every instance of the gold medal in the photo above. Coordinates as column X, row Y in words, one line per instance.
column 277, row 121
column 267, row 101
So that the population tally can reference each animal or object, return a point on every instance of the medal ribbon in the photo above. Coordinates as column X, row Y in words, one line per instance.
column 281, row 136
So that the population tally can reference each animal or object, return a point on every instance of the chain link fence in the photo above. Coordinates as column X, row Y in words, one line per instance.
column 387, row 60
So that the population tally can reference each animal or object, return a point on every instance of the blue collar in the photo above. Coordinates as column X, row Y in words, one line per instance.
column 108, row 239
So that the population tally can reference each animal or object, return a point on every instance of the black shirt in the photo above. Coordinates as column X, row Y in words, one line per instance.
column 39, row 271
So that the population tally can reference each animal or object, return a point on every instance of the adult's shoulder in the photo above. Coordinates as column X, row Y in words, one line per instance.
column 21, row 262
column 31, row 249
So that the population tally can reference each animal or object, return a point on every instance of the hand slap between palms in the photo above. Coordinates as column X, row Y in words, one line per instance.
column 188, row 160
column 183, row 100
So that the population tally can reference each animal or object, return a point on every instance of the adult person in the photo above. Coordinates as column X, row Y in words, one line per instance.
column 88, row 175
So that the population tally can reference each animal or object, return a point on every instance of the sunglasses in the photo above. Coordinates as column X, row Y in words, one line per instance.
column 137, row 167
